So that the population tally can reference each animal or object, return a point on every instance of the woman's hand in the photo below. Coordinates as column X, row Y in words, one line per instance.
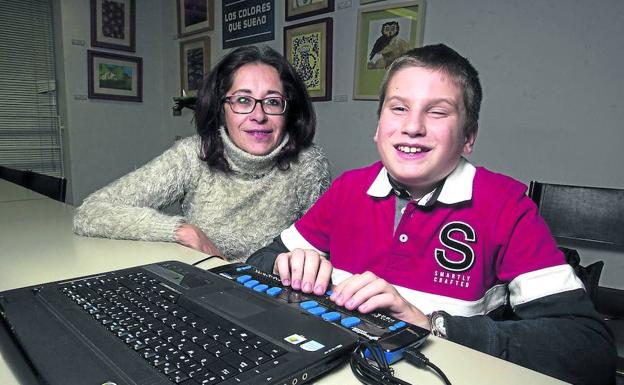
column 367, row 292
column 192, row 236
column 304, row 270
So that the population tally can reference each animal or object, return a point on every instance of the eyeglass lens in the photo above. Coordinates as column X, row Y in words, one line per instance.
column 246, row 104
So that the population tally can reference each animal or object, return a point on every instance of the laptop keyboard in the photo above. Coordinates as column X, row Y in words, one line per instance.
column 143, row 312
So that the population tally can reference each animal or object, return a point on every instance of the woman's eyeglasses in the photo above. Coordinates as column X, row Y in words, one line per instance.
column 240, row 104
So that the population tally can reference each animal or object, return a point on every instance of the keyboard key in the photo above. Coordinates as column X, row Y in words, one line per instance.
column 261, row 288
column 209, row 379
column 397, row 326
column 251, row 283
column 222, row 369
column 350, row 322
column 178, row 377
column 256, row 356
column 243, row 278
column 308, row 304
column 274, row 291
column 272, row 350
column 332, row 316
column 238, row 362
column 318, row 310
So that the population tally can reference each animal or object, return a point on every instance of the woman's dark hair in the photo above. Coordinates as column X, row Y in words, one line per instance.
column 300, row 120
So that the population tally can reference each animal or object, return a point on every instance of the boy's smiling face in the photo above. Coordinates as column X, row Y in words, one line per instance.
column 420, row 135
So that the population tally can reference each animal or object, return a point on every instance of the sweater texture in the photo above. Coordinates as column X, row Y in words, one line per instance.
column 239, row 211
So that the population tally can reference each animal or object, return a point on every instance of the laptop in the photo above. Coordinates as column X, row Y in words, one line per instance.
column 167, row 323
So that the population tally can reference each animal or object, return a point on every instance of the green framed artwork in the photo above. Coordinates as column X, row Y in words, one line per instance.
column 308, row 47
column 115, row 77
column 384, row 32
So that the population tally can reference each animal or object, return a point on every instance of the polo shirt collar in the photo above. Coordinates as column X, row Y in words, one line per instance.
column 457, row 186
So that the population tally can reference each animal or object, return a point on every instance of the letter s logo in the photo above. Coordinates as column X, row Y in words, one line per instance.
column 468, row 254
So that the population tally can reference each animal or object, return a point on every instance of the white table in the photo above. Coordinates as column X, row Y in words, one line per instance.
column 37, row 245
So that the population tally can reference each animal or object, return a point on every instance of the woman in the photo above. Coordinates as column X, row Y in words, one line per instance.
column 250, row 171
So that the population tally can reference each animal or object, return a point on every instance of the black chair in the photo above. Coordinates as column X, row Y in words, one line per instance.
column 47, row 185
column 591, row 217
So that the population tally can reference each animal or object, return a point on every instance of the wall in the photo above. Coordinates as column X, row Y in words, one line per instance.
column 551, row 72
column 106, row 139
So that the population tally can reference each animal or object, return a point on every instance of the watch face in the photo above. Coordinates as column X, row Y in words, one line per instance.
column 439, row 326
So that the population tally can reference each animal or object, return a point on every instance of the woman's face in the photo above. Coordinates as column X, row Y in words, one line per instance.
column 257, row 132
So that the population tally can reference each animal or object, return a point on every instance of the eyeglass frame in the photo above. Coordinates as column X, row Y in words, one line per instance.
column 226, row 99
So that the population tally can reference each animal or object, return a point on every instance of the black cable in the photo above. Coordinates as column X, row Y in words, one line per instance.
column 374, row 370
column 418, row 359
column 206, row 259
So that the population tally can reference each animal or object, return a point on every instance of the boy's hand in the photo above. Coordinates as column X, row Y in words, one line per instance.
column 304, row 270
column 367, row 292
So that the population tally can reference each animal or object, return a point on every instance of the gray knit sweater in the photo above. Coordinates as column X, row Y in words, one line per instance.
column 240, row 211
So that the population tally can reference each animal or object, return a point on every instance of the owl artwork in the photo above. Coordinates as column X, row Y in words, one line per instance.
column 388, row 46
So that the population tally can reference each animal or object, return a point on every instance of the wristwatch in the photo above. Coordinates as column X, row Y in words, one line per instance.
column 437, row 324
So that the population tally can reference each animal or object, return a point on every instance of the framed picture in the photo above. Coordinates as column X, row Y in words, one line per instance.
column 113, row 24
column 308, row 47
column 384, row 33
column 297, row 9
column 115, row 77
column 195, row 16
column 194, row 64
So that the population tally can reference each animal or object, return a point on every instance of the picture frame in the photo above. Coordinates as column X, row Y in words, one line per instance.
column 308, row 47
column 298, row 9
column 115, row 77
column 194, row 64
column 376, row 49
column 195, row 16
column 113, row 24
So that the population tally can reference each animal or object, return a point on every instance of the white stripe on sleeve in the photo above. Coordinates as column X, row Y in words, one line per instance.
column 541, row 283
column 293, row 240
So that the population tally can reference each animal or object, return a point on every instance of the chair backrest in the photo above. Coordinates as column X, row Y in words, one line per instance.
column 47, row 185
column 590, row 214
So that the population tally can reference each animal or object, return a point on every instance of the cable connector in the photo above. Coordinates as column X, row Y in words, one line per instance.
column 415, row 358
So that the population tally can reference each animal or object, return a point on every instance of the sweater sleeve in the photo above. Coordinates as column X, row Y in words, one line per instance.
column 129, row 208
column 313, row 177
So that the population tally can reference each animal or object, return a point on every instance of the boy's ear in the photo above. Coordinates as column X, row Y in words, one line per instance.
column 470, row 140
column 376, row 133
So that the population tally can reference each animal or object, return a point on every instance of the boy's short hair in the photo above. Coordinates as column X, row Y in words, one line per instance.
column 442, row 58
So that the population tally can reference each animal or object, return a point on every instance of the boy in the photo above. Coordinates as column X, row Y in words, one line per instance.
column 437, row 242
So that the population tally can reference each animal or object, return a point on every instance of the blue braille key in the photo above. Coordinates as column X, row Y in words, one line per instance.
column 332, row 316
column 251, row 284
column 318, row 310
column 241, row 268
column 350, row 322
column 243, row 278
column 274, row 291
column 397, row 325
column 308, row 304
column 261, row 288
